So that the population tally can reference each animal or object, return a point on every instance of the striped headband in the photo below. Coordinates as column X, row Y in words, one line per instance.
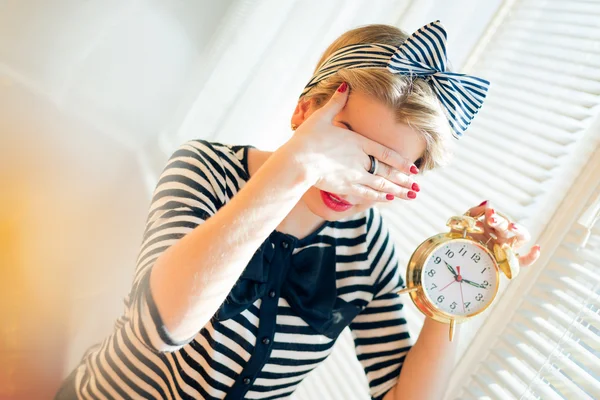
column 423, row 55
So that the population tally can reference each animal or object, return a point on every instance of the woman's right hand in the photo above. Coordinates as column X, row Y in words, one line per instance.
column 337, row 159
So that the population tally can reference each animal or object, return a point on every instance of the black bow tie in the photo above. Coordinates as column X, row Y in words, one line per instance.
column 309, row 286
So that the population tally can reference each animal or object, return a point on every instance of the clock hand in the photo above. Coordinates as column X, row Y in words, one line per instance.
column 451, row 269
column 478, row 285
column 453, row 281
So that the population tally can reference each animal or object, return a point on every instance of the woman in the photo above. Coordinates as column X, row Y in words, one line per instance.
column 252, row 263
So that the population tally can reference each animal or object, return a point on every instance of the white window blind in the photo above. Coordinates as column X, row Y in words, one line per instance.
column 534, row 140
column 532, row 136
column 550, row 349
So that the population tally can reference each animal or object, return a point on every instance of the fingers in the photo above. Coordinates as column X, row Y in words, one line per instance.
column 367, row 193
column 388, row 156
column 387, row 182
column 531, row 257
column 336, row 103
column 371, row 194
column 498, row 222
column 391, row 181
column 501, row 230
column 499, row 225
column 521, row 235
column 477, row 211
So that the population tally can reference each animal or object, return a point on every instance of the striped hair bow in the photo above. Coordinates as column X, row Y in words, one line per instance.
column 422, row 55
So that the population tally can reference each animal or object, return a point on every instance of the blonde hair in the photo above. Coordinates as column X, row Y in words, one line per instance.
column 413, row 99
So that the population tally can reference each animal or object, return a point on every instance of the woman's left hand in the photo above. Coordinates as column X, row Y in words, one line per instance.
column 498, row 229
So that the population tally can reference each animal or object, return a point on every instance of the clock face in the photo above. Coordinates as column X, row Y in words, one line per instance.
column 460, row 278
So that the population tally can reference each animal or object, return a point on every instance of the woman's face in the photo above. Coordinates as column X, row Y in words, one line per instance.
column 375, row 121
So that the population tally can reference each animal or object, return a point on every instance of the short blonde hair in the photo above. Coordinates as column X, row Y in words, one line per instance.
column 413, row 99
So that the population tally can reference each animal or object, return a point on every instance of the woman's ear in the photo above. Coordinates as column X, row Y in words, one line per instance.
column 303, row 110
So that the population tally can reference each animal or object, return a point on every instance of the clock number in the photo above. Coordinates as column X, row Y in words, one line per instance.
column 486, row 283
column 453, row 305
column 433, row 286
column 462, row 252
column 467, row 304
column 483, row 270
column 431, row 273
column 437, row 260
column 476, row 258
column 479, row 297
column 449, row 253
column 440, row 299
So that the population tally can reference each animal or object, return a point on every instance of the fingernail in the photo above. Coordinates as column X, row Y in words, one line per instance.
column 415, row 187
column 389, row 196
column 343, row 87
column 414, row 169
column 538, row 247
column 482, row 204
column 492, row 219
column 411, row 195
column 513, row 226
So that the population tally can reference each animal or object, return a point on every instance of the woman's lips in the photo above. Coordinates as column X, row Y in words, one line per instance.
column 339, row 198
column 330, row 201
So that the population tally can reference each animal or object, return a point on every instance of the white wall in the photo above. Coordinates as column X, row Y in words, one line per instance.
column 94, row 95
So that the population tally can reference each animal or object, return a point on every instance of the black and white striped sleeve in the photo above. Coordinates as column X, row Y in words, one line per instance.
column 190, row 189
column 380, row 331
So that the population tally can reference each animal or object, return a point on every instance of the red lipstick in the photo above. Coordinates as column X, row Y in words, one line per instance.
column 334, row 202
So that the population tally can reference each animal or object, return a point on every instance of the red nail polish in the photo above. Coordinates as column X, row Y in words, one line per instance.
column 415, row 187
column 389, row 196
column 412, row 195
column 492, row 219
column 482, row 204
column 414, row 170
column 343, row 87
column 513, row 227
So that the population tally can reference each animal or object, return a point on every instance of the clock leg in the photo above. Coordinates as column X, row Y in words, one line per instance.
column 452, row 326
column 408, row 290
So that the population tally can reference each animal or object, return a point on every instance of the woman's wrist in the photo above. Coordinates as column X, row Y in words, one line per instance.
column 440, row 328
column 297, row 161
column 431, row 359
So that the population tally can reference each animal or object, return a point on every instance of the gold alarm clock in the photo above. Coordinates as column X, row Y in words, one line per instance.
column 452, row 277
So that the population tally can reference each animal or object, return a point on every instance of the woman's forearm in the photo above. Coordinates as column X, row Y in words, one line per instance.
column 191, row 279
column 428, row 365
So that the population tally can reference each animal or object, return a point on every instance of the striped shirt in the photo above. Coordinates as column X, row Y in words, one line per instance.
column 280, row 319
